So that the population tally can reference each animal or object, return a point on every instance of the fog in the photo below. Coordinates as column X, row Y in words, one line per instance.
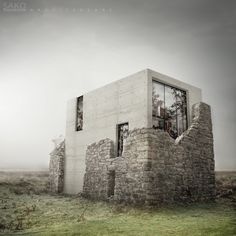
column 57, row 50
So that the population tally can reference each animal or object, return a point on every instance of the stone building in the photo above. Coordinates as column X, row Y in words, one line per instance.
column 146, row 138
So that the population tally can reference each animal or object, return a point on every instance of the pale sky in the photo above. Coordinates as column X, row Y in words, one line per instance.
column 57, row 50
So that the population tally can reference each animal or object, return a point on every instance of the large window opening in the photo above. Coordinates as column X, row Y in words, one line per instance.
column 169, row 109
column 79, row 114
column 122, row 133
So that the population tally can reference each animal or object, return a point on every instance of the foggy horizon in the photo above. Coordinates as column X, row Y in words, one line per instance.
column 52, row 51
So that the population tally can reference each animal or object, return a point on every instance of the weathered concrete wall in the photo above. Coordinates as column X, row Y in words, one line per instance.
column 123, row 101
column 56, row 168
column 155, row 168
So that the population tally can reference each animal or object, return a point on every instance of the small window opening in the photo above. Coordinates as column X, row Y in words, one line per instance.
column 122, row 132
column 79, row 114
column 111, row 183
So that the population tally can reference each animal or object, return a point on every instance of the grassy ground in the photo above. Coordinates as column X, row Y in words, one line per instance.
column 27, row 209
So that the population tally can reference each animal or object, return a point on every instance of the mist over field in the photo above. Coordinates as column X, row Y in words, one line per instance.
column 56, row 50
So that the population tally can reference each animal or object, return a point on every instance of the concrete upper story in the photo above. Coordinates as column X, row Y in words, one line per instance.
column 125, row 100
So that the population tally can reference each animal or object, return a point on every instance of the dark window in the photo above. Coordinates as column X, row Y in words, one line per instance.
column 111, row 183
column 169, row 109
column 79, row 114
column 122, row 132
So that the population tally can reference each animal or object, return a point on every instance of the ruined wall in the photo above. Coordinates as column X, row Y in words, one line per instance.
column 96, row 178
column 56, row 168
column 151, row 168
column 197, row 143
column 155, row 168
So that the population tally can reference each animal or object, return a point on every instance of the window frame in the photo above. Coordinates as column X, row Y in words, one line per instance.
column 117, row 136
column 78, row 99
column 154, row 80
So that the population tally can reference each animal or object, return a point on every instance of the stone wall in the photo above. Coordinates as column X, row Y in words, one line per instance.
column 152, row 168
column 56, row 168
column 155, row 168
column 197, row 143
column 96, row 178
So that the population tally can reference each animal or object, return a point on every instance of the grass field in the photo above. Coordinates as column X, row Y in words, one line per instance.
column 26, row 208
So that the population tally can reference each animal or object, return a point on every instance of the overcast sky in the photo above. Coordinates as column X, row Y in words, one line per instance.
column 57, row 50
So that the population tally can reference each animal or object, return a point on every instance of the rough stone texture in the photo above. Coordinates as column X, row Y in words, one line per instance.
column 56, row 168
column 96, row 178
column 155, row 168
column 197, row 142
column 149, row 165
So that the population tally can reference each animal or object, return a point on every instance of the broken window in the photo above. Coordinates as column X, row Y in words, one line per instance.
column 169, row 109
column 79, row 114
column 122, row 134
column 111, row 183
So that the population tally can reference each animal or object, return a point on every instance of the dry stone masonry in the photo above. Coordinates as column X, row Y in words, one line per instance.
column 155, row 168
column 56, row 168
column 96, row 179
